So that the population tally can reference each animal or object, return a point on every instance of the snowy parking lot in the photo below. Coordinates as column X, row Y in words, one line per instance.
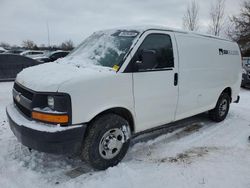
column 203, row 154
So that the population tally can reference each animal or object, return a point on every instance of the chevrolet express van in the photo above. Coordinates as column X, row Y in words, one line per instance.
column 120, row 82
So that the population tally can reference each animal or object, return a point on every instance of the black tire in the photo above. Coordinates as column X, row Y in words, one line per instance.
column 219, row 113
column 94, row 138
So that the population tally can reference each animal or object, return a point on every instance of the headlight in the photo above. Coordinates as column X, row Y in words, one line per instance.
column 52, row 108
column 51, row 102
column 244, row 71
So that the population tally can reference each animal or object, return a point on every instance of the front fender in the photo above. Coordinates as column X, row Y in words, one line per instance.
column 93, row 96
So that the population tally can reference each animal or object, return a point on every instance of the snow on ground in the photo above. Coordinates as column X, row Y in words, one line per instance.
column 205, row 154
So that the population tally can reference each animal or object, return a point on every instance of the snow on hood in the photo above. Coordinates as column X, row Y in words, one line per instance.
column 48, row 77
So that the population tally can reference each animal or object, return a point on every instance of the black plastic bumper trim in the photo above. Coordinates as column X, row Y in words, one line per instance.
column 61, row 142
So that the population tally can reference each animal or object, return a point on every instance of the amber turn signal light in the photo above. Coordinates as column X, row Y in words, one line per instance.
column 51, row 118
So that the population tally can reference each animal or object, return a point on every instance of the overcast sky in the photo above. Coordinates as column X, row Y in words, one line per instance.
column 76, row 19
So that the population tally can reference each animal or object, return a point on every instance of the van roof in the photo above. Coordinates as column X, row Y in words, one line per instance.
column 144, row 28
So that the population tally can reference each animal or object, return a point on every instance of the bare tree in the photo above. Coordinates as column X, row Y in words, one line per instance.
column 67, row 45
column 239, row 29
column 217, row 17
column 191, row 17
column 29, row 44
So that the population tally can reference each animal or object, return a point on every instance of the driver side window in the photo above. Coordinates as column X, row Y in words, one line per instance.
column 155, row 53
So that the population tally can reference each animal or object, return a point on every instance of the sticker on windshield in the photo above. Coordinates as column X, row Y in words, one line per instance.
column 116, row 67
column 127, row 34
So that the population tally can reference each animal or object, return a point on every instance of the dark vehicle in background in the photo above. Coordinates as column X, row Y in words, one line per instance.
column 245, row 72
column 53, row 56
column 14, row 51
column 11, row 65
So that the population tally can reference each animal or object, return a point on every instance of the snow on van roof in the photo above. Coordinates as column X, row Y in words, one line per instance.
column 143, row 28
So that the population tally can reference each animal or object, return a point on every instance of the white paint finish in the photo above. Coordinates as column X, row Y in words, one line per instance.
column 155, row 98
column 204, row 74
column 151, row 97
column 96, row 94
column 154, row 92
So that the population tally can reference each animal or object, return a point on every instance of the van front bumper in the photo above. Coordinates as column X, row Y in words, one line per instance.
column 45, row 137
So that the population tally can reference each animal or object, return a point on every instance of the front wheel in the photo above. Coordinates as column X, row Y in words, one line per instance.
column 221, row 109
column 106, row 142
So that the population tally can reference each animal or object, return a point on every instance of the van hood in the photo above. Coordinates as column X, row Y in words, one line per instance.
column 49, row 77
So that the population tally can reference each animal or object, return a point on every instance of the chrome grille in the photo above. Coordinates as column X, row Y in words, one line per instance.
column 23, row 99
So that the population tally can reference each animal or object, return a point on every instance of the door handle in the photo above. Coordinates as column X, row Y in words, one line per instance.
column 175, row 79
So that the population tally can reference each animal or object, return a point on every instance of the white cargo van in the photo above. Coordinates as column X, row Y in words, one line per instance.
column 121, row 82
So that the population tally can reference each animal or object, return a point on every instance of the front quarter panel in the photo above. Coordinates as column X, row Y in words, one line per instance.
column 92, row 96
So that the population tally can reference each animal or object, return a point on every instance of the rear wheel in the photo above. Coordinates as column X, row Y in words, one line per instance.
column 106, row 142
column 221, row 109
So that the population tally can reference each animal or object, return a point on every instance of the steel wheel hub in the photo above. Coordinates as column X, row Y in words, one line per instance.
column 111, row 143
column 223, row 107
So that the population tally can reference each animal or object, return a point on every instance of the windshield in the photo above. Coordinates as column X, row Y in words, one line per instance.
column 104, row 48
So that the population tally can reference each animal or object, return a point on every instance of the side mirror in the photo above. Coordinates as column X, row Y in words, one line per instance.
column 147, row 60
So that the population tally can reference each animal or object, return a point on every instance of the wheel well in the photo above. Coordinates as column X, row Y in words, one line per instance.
column 123, row 112
column 228, row 91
